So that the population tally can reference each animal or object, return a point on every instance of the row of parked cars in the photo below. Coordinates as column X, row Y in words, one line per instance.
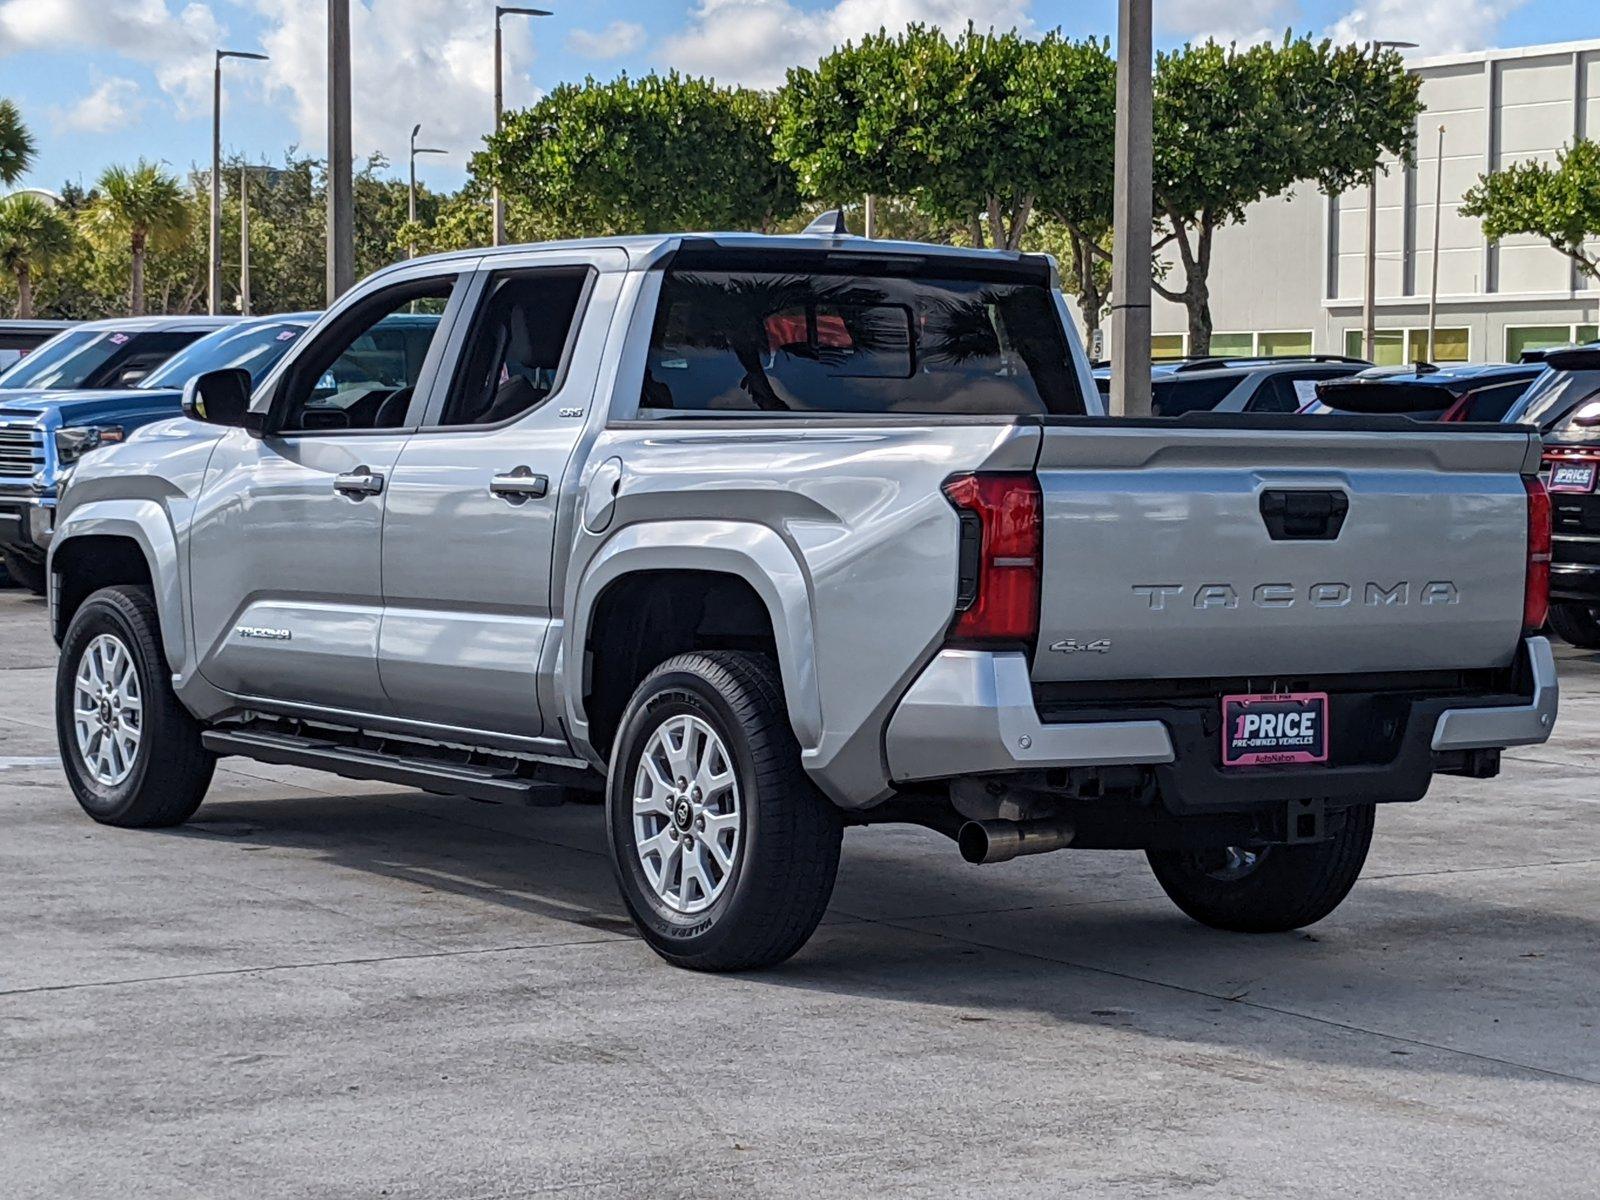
column 1556, row 391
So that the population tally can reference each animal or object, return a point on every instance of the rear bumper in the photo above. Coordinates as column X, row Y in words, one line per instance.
column 1575, row 581
column 974, row 713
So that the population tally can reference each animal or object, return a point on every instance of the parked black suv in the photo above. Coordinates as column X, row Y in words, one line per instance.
column 1572, row 465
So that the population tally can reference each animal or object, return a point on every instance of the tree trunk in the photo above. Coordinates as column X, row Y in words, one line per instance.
column 24, row 292
column 1197, row 299
column 975, row 228
column 136, row 307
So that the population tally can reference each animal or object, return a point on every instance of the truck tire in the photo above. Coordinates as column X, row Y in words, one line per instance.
column 1272, row 889
column 25, row 572
column 132, row 753
column 725, row 852
column 1577, row 623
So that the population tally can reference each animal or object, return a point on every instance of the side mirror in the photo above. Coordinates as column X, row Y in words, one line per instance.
column 221, row 398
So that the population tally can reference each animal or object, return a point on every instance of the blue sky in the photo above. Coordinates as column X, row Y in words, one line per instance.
column 103, row 81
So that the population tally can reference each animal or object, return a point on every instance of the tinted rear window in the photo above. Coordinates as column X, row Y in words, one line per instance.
column 1174, row 397
column 753, row 341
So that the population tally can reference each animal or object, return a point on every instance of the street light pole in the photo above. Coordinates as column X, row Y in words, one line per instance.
column 341, row 187
column 1131, row 206
column 501, row 11
column 244, row 241
column 411, row 194
column 214, row 244
column 1369, row 296
column 1433, row 288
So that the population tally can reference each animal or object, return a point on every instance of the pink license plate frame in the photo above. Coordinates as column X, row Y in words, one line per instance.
column 1274, row 729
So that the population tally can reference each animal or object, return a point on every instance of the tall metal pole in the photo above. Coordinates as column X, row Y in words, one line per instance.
column 214, row 242
column 411, row 192
column 869, row 217
column 244, row 241
column 500, row 12
column 1433, row 288
column 1369, row 296
column 341, row 186
column 1132, row 203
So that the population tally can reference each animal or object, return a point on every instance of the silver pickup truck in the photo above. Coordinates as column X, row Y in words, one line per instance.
column 771, row 536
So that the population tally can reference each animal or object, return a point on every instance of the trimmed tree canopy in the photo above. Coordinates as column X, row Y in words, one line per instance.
column 652, row 154
column 1560, row 203
column 1234, row 126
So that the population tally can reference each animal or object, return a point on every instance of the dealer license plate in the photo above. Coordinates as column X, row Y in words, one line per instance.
column 1275, row 730
column 1572, row 477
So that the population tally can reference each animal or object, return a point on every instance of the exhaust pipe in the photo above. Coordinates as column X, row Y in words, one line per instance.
column 1001, row 841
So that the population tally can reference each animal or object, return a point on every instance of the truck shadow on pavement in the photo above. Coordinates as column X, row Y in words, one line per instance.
column 1405, row 975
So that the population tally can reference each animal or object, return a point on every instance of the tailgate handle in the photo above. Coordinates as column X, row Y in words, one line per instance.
column 1304, row 516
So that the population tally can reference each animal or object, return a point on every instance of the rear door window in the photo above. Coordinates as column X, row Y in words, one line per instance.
column 730, row 342
column 1174, row 397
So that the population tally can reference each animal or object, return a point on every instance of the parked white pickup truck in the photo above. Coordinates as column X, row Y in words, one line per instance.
column 778, row 535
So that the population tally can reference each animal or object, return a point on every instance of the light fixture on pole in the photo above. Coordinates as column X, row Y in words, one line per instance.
column 501, row 11
column 214, row 278
column 411, row 194
column 1132, row 201
column 1369, row 299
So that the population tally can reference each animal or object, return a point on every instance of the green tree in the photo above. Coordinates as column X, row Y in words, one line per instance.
column 659, row 153
column 17, row 146
column 33, row 237
column 979, row 130
column 1560, row 203
column 1234, row 126
column 145, row 207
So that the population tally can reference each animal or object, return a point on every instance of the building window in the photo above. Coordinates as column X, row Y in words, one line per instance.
column 1397, row 347
column 1546, row 337
column 1281, row 345
column 1233, row 345
column 1169, row 345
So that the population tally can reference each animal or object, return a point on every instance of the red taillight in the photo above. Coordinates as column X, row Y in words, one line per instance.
column 1002, row 527
column 1536, row 591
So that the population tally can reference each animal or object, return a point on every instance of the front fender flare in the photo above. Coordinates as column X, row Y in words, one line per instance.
column 754, row 553
column 144, row 522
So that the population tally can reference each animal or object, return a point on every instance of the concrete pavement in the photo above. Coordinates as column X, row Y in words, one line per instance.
column 320, row 988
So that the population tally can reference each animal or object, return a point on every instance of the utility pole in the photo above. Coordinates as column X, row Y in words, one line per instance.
column 411, row 194
column 341, row 186
column 1369, row 297
column 214, row 244
column 869, row 217
column 1131, row 207
column 501, row 11
column 1433, row 288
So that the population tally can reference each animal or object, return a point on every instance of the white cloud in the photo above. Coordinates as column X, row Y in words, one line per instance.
column 175, row 42
column 1437, row 26
column 114, row 103
column 419, row 61
column 614, row 41
column 1224, row 21
column 755, row 41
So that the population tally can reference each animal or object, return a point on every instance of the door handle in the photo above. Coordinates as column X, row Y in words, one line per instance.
column 519, row 485
column 358, row 483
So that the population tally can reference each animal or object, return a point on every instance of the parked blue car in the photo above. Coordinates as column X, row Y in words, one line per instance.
column 44, row 432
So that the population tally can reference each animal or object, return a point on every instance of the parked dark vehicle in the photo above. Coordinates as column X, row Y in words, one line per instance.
column 1466, row 392
column 1572, row 472
column 116, row 353
column 1238, row 385
column 44, row 433
column 1571, row 377
column 18, row 339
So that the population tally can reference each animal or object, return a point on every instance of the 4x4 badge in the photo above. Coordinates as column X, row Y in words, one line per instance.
column 1074, row 646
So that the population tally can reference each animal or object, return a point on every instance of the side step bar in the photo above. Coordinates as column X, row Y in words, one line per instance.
column 496, row 785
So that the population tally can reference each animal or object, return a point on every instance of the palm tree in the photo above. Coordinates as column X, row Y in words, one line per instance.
column 16, row 144
column 145, row 205
column 32, row 234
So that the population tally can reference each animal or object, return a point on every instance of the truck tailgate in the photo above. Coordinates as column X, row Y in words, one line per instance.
column 1265, row 548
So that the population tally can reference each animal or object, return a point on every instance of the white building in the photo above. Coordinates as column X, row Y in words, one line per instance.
column 1291, row 278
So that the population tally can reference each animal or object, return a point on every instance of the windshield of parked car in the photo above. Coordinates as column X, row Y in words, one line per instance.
column 255, row 348
column 914, row 341
column 96, row 358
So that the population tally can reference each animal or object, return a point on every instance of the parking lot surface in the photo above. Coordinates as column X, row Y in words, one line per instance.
column 323, row 988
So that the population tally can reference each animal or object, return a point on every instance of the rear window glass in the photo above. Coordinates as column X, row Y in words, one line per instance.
column 752, row 341
column 96, row 359
column 1174, row 397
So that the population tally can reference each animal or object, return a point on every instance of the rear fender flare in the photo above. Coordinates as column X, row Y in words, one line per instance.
column 754, row 553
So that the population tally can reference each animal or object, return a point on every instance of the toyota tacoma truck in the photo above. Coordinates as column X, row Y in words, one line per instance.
column 771, row 536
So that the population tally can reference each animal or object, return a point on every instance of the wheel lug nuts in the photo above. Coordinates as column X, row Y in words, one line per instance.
column 694, row 794
column 700, row 823
column 688, row 843
column 672, row 832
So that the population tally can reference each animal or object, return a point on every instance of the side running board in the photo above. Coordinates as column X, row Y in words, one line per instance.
column 498, row 783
